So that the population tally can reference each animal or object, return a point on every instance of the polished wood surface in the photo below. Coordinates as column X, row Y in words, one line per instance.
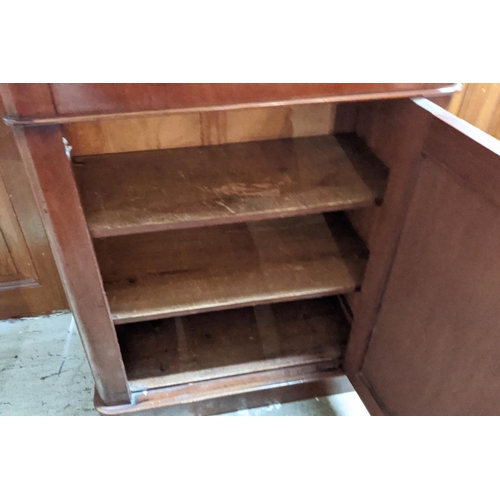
column 228, row 343
column 443, row 287
column 29, row 282
column 157, row 190
column 91, row 101
column 188, row 271
column 208, row 128
column 121, row 98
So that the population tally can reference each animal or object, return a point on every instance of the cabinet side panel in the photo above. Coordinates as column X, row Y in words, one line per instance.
column 52, row 179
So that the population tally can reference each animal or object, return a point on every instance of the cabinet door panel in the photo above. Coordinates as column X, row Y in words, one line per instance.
column 29, row 282
column 434, row 346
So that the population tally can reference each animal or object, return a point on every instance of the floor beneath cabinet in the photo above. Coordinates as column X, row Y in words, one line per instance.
column 43, row 371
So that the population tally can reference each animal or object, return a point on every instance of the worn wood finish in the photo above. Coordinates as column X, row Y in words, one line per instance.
column 249, row 390
column 228, row 343
column 157, row 190
column 207, row 128
column 194, row 270
column 443, row 288
column 51, row 176
column 29, row 282
column 315, row 386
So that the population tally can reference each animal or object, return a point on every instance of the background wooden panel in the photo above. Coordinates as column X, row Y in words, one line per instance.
column 29, row 281
column 479, row 104
column 199, row 129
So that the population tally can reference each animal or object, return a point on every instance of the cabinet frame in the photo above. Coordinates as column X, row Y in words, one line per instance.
column 36, row 114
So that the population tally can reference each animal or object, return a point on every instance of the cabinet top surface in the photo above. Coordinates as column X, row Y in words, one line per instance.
column 67, row 102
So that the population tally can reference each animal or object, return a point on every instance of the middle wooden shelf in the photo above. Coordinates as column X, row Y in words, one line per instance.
column 187, row 271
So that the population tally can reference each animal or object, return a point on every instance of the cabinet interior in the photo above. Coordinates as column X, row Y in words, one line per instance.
column 227, row 260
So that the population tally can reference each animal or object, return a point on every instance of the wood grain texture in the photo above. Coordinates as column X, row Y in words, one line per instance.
column 29, row 281
column 480, row 106
column 7, row 265
column 125, row 135
column 73, row 99
column 188, row 271
column 53, row 182
column 15, row 248
column 28, row 100
column 229, row 343
column 199, row 129
column 157, row 190
column 458, row 98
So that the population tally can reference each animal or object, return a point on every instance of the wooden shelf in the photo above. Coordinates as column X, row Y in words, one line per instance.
column 172, row 273
column 231, row 343
column 138, row 192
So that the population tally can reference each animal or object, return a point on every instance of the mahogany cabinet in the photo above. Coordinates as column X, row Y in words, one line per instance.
column 237, row 242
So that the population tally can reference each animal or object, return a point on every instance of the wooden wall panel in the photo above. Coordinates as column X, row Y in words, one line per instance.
column 479, row 104
column 199, row 129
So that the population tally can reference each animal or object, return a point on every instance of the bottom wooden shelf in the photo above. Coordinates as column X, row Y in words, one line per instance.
column 233, row 343
column 222, row 395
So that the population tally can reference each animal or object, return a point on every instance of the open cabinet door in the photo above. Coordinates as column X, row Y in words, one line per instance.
column 426, row 334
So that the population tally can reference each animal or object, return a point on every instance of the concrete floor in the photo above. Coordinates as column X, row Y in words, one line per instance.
column 43, row 371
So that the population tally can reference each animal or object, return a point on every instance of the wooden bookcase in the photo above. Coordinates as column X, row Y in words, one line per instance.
column 232, row 243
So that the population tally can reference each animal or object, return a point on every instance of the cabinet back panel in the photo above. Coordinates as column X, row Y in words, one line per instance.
column 199, row 129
